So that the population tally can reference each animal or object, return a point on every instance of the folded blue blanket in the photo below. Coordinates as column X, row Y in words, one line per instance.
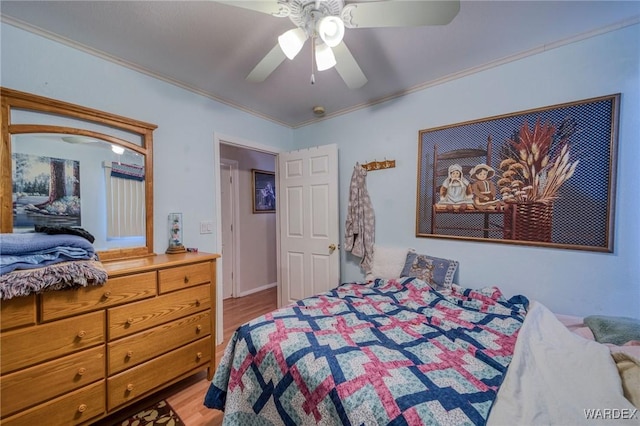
column 33, row 250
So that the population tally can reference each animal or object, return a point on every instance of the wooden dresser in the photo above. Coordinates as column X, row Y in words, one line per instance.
column 74, row 356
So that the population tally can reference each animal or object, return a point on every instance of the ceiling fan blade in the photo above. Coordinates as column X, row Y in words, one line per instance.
column 348, row 68
column 401, row 13
column 266, row 66
column 270, row 7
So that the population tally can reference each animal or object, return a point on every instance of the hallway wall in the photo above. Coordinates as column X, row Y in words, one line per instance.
column 257, row 232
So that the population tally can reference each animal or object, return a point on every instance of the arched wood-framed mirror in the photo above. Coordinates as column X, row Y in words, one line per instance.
column 67, row 165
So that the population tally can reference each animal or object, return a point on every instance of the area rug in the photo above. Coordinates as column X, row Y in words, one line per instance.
column 160, row 413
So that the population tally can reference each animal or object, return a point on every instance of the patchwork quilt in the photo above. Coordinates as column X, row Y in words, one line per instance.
column 393, row 352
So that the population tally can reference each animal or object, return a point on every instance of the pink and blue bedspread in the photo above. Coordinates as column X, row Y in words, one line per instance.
column 391, row 352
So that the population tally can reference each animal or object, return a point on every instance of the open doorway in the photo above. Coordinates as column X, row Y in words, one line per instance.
column 247, row 240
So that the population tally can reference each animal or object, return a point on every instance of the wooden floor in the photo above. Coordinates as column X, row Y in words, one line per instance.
column 187, row 396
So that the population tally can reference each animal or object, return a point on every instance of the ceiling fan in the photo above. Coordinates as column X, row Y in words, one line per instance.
column 324, row 22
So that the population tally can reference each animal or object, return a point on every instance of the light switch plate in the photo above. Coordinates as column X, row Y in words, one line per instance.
column 206, row 227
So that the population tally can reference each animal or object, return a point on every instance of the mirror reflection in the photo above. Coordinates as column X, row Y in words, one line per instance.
column 69, row 165
column 74, row 180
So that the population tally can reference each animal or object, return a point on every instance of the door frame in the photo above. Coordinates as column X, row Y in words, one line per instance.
column 219, row 138
column 233, row 172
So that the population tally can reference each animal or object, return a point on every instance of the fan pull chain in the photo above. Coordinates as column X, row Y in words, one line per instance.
column 313, row 55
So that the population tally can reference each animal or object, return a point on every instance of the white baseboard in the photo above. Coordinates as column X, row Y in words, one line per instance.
column 257, row 289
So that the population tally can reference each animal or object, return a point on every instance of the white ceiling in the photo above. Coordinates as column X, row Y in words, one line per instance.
column 210, row 48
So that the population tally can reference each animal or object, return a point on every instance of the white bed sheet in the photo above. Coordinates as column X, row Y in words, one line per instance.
column 557, row 377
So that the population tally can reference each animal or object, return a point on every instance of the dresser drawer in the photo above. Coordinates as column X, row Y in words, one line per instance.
column 71, row 409
column 116, row 291
column 54, row 378
column 18, row 311
column 28, row 346
column 137, row 381
column 138, row 348
column 139, row 316
column 184, row 276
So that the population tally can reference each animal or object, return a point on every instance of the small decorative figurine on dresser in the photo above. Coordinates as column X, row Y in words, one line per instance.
column 175, row 234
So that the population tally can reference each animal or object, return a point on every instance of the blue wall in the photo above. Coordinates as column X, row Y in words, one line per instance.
column 183, row 143
column 567, row 281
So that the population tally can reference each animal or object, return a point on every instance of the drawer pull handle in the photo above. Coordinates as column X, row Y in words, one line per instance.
column 81, row 371
column 107, row 294
column 199, row 355
column 198, row 328
column 197, row 302
column 82, row 333
column 186, row 279
column 129, row 354
column 82, row 408
column 129, row 387
column 129, row 321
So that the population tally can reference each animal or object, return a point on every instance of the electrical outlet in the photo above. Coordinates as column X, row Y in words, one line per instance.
column 206, row 227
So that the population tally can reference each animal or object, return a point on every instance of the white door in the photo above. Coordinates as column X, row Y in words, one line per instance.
column 309, row 257
column 228, row 199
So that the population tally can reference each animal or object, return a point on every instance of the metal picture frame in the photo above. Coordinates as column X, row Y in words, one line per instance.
column 542, row 177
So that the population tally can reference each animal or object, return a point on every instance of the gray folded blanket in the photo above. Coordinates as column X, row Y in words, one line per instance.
column 615, row 330
column 72, row 274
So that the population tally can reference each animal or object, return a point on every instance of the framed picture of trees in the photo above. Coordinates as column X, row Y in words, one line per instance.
column 46, row 191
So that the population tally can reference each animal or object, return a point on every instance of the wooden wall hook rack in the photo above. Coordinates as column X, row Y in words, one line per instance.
column 379, row 165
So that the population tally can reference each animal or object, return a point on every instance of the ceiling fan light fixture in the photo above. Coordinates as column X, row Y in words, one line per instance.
column 117, row 149
column 331, row 30
column 291, row 42
column 325, row 58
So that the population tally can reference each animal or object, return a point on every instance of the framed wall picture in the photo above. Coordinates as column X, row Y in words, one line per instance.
column 46, row 192
column 543, row 177
column 264, row 191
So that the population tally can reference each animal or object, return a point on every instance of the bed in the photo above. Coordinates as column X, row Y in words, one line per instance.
column 417, row 350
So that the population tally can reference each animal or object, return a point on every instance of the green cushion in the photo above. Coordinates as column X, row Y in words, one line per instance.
column 616, row 330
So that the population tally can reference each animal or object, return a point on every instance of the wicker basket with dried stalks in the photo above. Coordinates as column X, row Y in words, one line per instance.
column 538, row 163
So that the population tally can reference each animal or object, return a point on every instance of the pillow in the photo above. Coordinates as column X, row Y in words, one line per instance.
column 438, row 273
column 616, row 330
column 387, row 262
